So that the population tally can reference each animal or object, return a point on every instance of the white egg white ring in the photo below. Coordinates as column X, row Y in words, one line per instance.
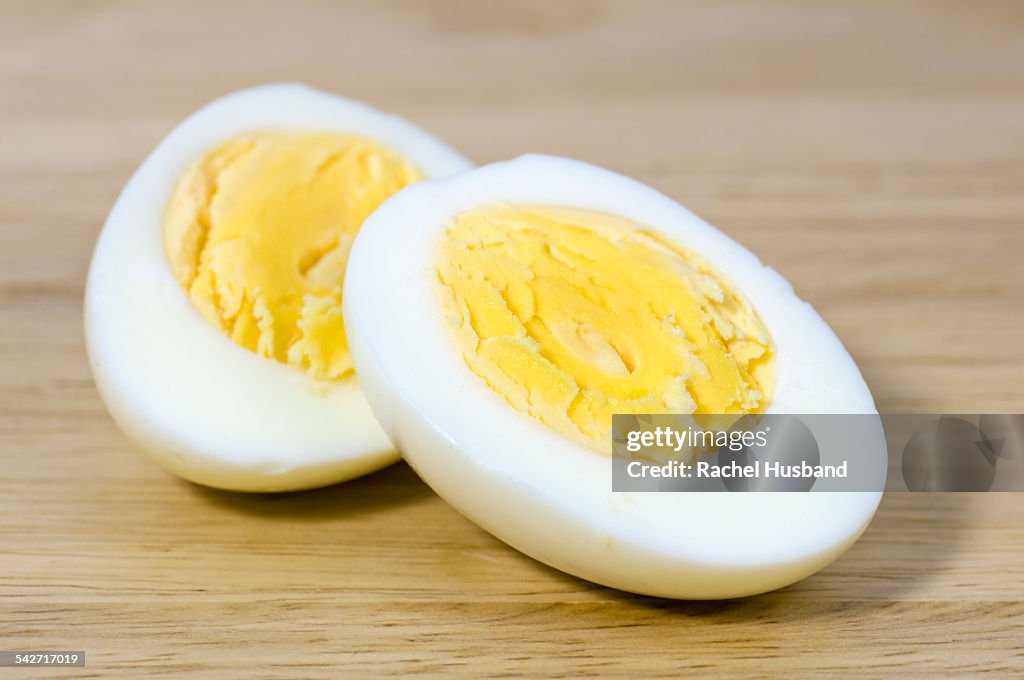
column 206, row 408
column 542, row 493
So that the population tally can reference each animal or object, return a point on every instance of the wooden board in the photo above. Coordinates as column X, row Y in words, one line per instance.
column 871, row 152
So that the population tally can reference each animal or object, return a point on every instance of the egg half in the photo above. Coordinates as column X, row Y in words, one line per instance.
column 534, row 298
column 213, row 304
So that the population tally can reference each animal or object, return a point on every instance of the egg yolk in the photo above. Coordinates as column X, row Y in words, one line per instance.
column 258, row 233
column 573, row 315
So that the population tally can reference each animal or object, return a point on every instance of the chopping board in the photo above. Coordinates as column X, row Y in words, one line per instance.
column 873, row 153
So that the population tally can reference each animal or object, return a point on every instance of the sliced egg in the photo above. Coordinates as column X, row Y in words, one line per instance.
column 534, row 298
column 213, row 304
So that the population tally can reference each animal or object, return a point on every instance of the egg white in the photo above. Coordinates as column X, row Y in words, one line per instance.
column 535, row 489
column 204, row 407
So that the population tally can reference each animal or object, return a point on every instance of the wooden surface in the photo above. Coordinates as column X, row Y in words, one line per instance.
column 872, row 152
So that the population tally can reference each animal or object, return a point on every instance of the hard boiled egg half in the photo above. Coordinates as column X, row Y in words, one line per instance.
column 531, row 300
column 213, row 305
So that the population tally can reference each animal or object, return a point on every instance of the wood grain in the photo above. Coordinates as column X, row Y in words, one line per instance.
column 871, row 152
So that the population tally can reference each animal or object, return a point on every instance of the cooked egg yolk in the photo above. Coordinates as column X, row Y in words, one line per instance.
column 574, row 315
column 258, row 233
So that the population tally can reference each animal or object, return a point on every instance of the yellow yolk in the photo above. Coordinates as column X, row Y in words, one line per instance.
column 573, row 316
column 258, row 233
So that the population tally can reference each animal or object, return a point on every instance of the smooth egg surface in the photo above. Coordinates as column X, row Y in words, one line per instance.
column 531, row 300
column 213, row 304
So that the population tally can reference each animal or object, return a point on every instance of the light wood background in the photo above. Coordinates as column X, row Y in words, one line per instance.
column 873, row 152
